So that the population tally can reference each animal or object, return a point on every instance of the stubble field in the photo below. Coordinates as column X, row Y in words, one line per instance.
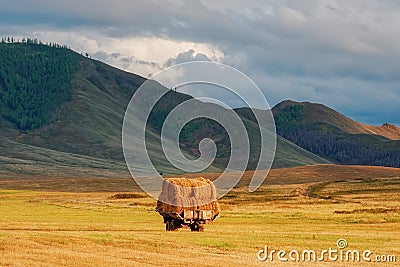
column 82, row 222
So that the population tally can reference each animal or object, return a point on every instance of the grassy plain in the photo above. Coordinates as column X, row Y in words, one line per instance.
column 78, row 222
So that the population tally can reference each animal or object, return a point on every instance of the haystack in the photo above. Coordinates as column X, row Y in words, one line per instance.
column 179, row 194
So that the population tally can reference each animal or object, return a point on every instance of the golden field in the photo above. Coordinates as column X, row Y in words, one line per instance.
column 83, row 222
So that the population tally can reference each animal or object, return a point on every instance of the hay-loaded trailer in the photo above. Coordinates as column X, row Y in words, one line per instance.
column 187, row 202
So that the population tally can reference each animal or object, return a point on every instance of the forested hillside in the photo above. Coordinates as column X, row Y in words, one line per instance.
column 331, row 135
column 69, row 103
column 35, row 79
column 287, row 154
column 54, row 98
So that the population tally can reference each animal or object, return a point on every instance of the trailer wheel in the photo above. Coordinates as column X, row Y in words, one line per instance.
column 174, row 225
column 171, row 225
column 201, row 227
column 197, row 227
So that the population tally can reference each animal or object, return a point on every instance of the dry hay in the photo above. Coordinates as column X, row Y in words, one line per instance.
column 187, row 194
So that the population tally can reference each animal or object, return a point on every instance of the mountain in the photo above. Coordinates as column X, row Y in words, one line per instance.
column 331, row 135
column 59, row 108
column 387, row 130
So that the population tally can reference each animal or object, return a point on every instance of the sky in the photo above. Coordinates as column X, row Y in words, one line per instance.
column 344, row 54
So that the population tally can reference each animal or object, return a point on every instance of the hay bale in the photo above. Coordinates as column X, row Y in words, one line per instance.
column 187, row 194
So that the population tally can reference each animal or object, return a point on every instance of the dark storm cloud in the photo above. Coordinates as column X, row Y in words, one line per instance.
column 345, row 54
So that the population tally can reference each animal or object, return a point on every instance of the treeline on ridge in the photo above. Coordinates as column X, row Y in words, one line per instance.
column 35, row 79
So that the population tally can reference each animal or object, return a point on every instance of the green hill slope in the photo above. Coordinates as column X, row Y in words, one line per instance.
column 86, row 125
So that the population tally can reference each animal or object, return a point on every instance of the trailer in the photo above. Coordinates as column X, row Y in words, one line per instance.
column 187, row 202
column 194, row 219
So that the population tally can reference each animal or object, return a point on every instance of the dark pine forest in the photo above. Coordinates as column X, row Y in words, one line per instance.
column 35, row 79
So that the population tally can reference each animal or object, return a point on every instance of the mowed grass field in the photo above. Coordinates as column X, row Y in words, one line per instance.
column 81, row 222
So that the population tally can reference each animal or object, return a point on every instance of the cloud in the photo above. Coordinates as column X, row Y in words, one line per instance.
column 142, row 55
column 345, row 54
column 187, row 56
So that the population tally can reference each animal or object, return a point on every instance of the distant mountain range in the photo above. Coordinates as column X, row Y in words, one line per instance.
column 61, row 109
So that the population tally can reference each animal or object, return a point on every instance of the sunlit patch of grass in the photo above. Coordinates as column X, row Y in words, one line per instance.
column 7, row 192
column 214, row 243
column 86, row 229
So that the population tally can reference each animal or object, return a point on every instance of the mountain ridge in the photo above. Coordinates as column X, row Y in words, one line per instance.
column 87, row 128
column 330, row 134
column 323, row 113
column 387, row 130
column 89, row 125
